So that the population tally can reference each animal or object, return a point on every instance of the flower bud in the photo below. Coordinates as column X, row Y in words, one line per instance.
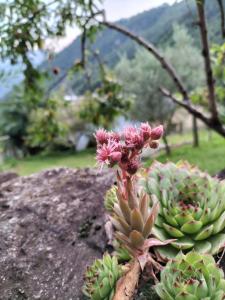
column 132, row 167
column 157, row 133
column 115, row 156
column 154, row 144
column 146, row 131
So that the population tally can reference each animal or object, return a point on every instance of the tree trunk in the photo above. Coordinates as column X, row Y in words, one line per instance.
column 167, row 146
column 210, row 80
column 195, row 132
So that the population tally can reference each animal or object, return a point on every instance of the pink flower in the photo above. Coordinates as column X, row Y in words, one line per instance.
column 133, row 138
column 146, row 130
column 102, row 136
column 114, row 136
column 108, row 152
column 157, row 133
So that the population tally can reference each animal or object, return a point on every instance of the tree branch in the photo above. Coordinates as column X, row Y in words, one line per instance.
column 206, row 55
column 222, row 17
column 207, row 121
column 151, row 48
column 83, row 47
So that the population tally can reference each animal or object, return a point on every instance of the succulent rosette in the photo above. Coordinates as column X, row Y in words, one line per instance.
column 101, row 278
column 192, row 208
column 110, row 199
column 191, row 277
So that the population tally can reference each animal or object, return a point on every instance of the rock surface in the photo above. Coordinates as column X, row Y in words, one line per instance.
column 51, row 228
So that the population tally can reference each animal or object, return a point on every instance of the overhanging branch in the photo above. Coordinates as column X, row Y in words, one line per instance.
column 151, row 48
column 188, row 107
column 222, row 17
column 218, row 127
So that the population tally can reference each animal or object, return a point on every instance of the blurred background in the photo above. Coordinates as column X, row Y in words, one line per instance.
column 67, row 68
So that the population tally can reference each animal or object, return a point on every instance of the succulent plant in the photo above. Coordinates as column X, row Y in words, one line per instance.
column 132, row 216
column 121, row 252
column 192, row 208
column 101, row 278
column 191, row 277
column 110, row 199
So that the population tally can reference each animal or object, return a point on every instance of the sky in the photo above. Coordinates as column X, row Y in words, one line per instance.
column 118, row 9
column 115, row 10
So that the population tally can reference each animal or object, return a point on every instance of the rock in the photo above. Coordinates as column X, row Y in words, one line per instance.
column 82, row 142
column 51, row 228
column 6, row 176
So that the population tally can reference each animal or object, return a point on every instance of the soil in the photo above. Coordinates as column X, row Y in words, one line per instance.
column 51, row 228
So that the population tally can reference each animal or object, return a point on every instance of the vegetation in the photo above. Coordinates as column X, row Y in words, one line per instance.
column 37, row 163
column 193, row 276
column 105, row 272
column 156, row 25
column 155, row 211
column 212, row 161
column 147, row 76
column 180, row 208
column 101, row 107
column 192, row 206
column 209, row 156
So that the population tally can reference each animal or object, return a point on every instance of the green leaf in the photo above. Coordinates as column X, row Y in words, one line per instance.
column 191, row 227
column 204, row 233
column 174, row 232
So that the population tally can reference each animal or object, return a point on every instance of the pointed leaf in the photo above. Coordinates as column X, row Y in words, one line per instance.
column 136, row 239
column 137, row 220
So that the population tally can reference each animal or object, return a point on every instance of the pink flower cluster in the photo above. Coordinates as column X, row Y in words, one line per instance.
column 124, row 149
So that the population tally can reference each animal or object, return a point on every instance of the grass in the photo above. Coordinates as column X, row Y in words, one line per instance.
column 38, row 163
column 210, row 156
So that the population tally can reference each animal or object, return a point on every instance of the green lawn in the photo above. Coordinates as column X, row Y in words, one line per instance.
column 210, row 156
column 38, row 163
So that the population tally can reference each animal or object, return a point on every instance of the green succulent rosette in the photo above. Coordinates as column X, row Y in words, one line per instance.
column 191, row 277
column 110, row 199
column 192, row 208
column 101, row 278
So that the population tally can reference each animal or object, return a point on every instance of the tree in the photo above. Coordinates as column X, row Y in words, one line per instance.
column 147, row 76
column 200, row 95
column 26, row 23
column 101, row 107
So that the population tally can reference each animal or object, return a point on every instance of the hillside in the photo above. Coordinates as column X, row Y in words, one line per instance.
column 155, row 25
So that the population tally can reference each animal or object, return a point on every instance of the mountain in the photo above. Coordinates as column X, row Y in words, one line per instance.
column 10, row 75
column 155, row 25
